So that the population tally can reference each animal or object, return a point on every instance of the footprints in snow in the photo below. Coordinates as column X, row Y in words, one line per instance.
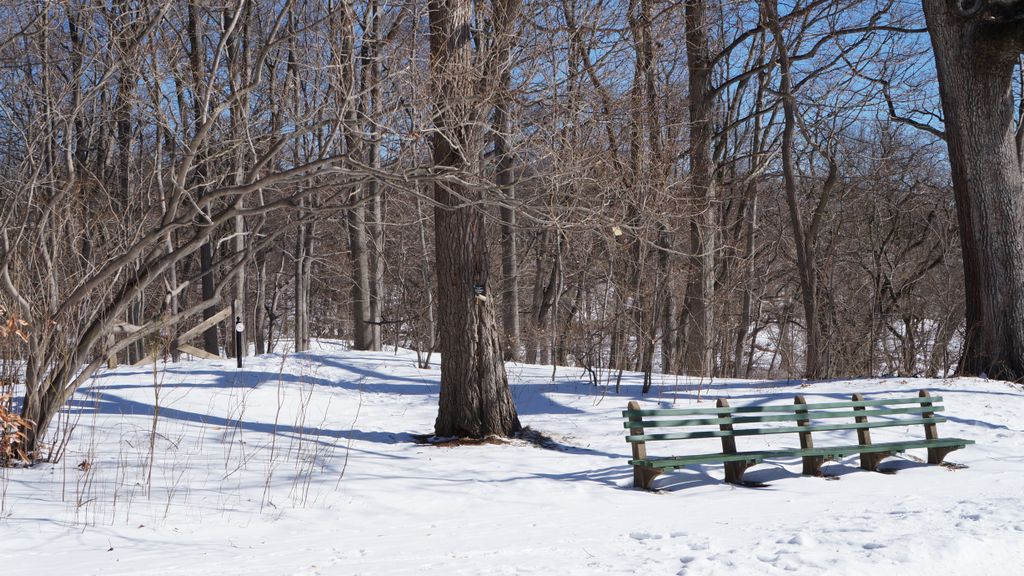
column 697, row 554
column 330, row 566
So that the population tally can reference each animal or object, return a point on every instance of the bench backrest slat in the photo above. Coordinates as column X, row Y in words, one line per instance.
column 780, row 430
column 780, row 408
column 815, row 415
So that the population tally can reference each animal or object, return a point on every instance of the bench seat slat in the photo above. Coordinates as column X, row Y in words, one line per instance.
column 782, row 430
column 810, row 415
column 826, row 452
column 781, row 408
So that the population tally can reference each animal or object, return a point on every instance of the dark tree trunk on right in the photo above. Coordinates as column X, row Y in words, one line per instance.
column 976, row 61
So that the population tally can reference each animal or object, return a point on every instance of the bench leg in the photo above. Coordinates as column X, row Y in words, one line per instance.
column 812, row 465
column 937, row 455
column 643, row 476
column 734, row 471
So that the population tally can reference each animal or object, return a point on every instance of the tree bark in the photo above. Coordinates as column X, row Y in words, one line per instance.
column 746, row 303
column 362, row 332
column 475, row 400
column 376, row 236
column 237, row 52
column 976, row 61
column 303, row 274
column 663, row 310
column 257, row 309
column 211, row 342
column 375, row 226
column 426, row 340
column 504, row 180
column 701, row 283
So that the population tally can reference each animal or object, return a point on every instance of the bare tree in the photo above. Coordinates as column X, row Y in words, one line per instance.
column 144, row 237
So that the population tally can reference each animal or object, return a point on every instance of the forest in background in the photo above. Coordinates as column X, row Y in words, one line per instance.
column 724, row 189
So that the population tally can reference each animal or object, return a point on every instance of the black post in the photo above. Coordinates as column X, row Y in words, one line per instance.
column 239, row 327
column 238, row 340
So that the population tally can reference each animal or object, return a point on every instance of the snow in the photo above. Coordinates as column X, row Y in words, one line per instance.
column 308, row 464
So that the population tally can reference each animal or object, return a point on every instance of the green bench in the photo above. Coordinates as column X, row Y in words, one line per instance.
column 800, row 418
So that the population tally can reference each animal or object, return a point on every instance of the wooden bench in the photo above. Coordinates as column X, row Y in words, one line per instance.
column 800, row 418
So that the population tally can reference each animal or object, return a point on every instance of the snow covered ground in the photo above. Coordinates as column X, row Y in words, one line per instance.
column 307, row 464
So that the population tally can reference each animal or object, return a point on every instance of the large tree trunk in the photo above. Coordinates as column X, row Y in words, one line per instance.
column 475, row 400
column 976, row 61
column 701, row 283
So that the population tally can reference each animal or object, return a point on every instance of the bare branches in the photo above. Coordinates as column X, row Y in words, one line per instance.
column 157, row 157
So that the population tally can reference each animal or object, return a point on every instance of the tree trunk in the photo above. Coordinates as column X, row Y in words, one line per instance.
column 545, row 301
column 663, row 312
column 376, row 236
column 804, row 237
column 546, row 283
column 475, row 400
column 976, row 61
column 938, row 358
column 272, row 306
column 362, row 332
column 429, row 332
column 537, row 300
column 701, row 282
column 748, row 224
column 303, row 265
column 748, row 291
column 375, row 226
column 504, row 180
column 257, row 309
column 237, row 58
column 211, row 342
